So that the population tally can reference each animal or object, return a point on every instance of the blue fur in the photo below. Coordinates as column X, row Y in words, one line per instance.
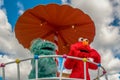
column 46, row 66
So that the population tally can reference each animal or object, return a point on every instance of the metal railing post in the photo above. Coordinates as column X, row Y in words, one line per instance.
column 18, row 71
column 18, row 68
column 2, row 65
column 36, row 57
column 85, row 60
column 99, row 65
column 3, row 73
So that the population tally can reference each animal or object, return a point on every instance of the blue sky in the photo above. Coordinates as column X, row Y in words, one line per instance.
column 12, row 8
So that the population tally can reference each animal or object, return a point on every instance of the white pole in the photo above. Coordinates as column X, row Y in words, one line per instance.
column 18, row 70
column 98, row 73
column 106, row 77
column 85, row 77
column 3, row 73
column 36, row 69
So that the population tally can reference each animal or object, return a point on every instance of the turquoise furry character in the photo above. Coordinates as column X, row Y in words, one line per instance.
column 46, row 66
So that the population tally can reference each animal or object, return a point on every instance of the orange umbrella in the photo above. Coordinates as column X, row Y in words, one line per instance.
column 48, row 21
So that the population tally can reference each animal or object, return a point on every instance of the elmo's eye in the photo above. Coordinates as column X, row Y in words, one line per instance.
column 86, row 40
column 80, row 39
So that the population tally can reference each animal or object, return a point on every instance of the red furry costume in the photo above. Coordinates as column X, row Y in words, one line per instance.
column 82, row 50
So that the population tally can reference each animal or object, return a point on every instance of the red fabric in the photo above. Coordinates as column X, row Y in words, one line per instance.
column 77, row 66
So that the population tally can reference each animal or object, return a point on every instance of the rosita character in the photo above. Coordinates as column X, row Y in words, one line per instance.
column 81, row 49
column 46, row 66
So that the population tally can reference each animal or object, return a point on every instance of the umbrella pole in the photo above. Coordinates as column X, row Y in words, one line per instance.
column 56, row 40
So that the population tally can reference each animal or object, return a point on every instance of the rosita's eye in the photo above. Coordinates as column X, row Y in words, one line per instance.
column 80, row 39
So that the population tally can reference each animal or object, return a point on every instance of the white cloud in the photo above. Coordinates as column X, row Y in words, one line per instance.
column 64, row 1
column 10, row 45
column 114, row 77
column 21, row 8
column 107, row 37
column 7, row 39
column 11, row 69
column 4, row 22
column 111, row 77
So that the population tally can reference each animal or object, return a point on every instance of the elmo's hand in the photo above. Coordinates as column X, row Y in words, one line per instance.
column 95, row 55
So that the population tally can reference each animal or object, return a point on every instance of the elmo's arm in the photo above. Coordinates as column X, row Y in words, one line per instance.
column 69, row 63
column 96, row 58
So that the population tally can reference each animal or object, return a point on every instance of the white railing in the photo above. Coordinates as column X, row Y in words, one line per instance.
column 36, row 57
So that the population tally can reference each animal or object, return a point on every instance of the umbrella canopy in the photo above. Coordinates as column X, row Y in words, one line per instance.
column 44, row 21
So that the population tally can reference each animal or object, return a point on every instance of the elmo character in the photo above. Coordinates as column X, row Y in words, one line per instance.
column 81, row 49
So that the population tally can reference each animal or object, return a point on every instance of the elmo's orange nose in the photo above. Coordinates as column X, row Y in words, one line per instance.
column 85, row 43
